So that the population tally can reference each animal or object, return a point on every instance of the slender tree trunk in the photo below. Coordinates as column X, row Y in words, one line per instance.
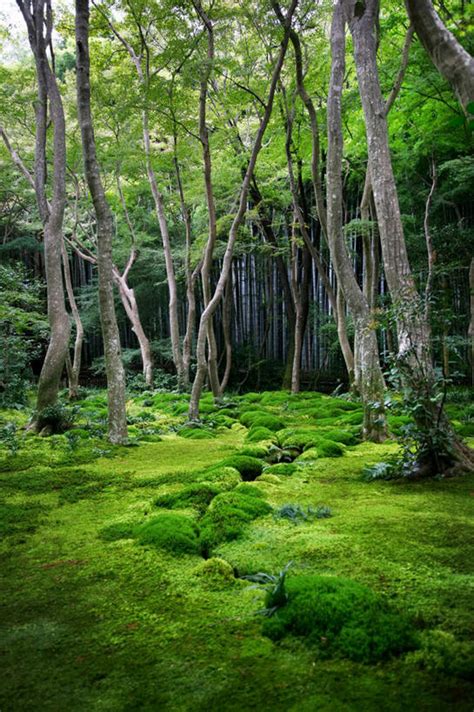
column 414, row 347
column 127, row 296
column 471, row 323
column 113, row 357
column 368, row 374
column 449, row 57
column 236, row 223
column 75, row 367
column 226, row 330
column 39, row 28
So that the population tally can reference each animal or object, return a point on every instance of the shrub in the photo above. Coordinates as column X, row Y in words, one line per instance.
column 281, row 468
column 172, row 532
column 249, row 467
column 341, row 617
column 256, row 434
column 198, row 495
column 227, row 516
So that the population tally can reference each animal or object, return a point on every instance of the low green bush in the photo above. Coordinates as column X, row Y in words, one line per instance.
column 198, row 495
column 340, row 617
column 249, row 467
column 172, row 532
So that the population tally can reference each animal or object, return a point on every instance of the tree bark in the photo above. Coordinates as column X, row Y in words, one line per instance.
column 39, row 29
column 112, row 350
column 368, row 374
column 236, row 223
column 414, row 348
column 75, row 366
column 447, row 54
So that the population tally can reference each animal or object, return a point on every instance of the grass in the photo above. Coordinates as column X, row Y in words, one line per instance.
column 93, row 620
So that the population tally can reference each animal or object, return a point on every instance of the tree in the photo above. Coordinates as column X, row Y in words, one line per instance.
column 113, row 360
column 40, row 27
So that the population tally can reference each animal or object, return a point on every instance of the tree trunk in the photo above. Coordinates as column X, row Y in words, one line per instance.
column 471, row 322
column 449, row 57
column 236, row 223
column 414, row 347
column 367, row 371
column 75, row 367
column 52, row 214
column 112, row 350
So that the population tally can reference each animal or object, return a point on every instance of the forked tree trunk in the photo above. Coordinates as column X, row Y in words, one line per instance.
column 414, row 347
column 368, row 374
column 113, row 358
column 449, row 57
column 209, row 311
column 39, row 29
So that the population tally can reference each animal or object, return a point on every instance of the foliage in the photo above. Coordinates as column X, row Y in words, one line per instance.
column 297, row 514
column 57, row 418
column 274, row 586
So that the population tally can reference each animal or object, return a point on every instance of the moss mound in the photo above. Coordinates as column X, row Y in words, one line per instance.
column 254, row 451
column 198, row 495
column 340, row 617
column 282, row 468
column 346, row 437
column 216, row 572
column 249, row 467
column 115, row 532
column 172, row 532
column 223, row 478
column 228, row 514
column 257, row 434
column 196, row 434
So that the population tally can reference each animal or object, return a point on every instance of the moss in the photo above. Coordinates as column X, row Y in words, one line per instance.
column 268, row 477
column 172, row 532
column 223, row 478
column 256, row 434
column 257, row 451
column 115, row 532
column 216, row 572
column 309, row 455
column 198, row 495
column 441, row 652
column 196, row 434
column 340, row 617
column 282, row 468
column 346, row 437
column 249, row 467
column 304, row 439
column 228, row 514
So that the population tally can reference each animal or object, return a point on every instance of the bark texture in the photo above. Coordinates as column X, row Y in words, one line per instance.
column 38, row 18
column 368, row 374
column 112, row 350
column 447, row 54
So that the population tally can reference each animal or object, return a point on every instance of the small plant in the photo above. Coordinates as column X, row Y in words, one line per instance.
column 56, row 418
column 380, row 471
column 297, row 514
column 9, row 438
column 274, row 585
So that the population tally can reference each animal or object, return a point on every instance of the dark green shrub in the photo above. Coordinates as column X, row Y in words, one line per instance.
column 249, row 467
column 341, row 617
column 227, row 516
column 281, row 468
column 198, row 495
column 172, row 532
column 256, row 434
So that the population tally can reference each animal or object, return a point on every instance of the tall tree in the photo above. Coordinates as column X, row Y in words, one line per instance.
column 112, row 350
column 39, row 22
column 368, row 374
column 441, row 451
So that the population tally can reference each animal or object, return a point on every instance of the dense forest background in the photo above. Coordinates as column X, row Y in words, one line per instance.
column 273, row 273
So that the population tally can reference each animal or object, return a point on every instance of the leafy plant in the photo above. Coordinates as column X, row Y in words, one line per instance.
column 274, row 585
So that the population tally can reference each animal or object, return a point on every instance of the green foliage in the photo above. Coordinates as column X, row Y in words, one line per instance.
column 172, row 532
column 9, row 438
column 274, row 586
column 281, row 468
column 341, row 617
column 297, row 514
column 23, row 329
column 257, row 434
column 57, row 418
column 441, row 652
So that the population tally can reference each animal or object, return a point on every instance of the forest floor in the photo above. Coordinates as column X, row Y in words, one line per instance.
column 99, row 615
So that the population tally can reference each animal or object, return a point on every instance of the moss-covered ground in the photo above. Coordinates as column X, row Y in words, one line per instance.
column 97, row 616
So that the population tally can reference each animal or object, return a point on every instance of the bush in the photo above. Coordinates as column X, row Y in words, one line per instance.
column 228, row 514
column 172, row 532
column 249, row 467
column 341, row 617
column 199, row 496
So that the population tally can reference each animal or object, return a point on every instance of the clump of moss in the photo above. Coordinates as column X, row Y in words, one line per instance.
column 223, row 478
column 216, row 572
column 228, row 514
column 257, row 434
column 114, row 532
column 196, row 433
column 249, row 467
column 346, row 437
column 440, row 652
column 304, row 439
column 172, row 532
column 198, row 495
column 254, row 450
column 341, row 617
column 281, row 468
